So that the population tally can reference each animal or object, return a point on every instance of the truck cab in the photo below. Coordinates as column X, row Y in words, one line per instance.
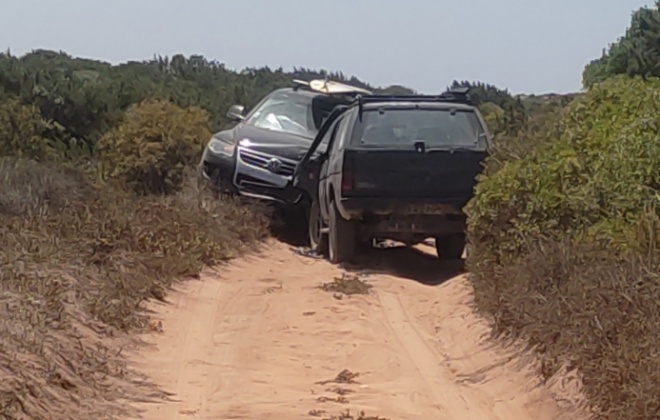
column 393, row 167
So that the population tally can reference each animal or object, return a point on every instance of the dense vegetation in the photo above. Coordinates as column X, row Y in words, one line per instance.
column 636, row 53
column 564, row 231
column 80, row 99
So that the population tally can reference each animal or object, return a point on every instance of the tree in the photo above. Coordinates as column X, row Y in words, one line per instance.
column 83, row 99
column 637, row 53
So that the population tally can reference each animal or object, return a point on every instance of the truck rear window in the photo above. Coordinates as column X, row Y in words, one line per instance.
column 435, row 127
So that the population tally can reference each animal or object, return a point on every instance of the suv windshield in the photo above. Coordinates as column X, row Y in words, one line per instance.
column 292, row 113
column 438, row 127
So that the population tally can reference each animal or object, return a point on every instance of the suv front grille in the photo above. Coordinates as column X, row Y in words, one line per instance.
column 261, row 160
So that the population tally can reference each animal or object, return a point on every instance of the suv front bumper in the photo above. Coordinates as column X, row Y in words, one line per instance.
column 255, row 177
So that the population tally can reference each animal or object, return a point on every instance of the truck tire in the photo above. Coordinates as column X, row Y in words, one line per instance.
column 318, row 241
column 450, row 247
column 364, row 245
column 342, row 239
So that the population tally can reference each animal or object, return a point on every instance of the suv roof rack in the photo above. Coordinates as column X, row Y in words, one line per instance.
column 458, row 96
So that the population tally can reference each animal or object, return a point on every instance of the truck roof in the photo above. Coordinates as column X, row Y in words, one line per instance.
column 425, row 104
column 452, row 99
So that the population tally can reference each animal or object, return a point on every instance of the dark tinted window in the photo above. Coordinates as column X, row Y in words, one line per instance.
column 435, row 127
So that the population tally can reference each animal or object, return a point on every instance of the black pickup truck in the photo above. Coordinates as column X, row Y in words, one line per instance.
column 393, row 167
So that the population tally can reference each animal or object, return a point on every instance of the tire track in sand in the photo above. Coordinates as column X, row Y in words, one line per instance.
column 252, row 342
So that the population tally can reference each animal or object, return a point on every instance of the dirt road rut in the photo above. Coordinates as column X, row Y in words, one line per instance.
column 258, row 339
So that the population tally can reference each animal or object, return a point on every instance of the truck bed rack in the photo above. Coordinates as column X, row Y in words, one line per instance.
column 458, row 95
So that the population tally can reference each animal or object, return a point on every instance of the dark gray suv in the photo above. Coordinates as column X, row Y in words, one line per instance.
column 257, row 157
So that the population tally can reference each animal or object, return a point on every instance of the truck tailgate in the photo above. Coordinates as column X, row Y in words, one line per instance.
column 407, row 174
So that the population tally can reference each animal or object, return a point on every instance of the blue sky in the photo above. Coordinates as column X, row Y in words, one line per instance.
column 527, row 46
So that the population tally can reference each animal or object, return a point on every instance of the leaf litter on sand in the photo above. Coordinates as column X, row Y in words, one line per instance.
column 343, row 377
column 347, row 285
column 361, row 415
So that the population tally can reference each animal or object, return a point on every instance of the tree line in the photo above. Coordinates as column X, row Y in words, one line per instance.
column 81, row 99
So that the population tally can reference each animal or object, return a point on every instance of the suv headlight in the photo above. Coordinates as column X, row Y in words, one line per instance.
column 218, row 147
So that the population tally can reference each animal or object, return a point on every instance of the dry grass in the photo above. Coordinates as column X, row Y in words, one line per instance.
column 564, row 240
column 586, row 309
column 76, row 264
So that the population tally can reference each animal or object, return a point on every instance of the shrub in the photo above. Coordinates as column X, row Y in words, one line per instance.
column 517, row 137
column 596, row 178
column 494, row 117
column 21, row 129
column 77, row 264
column 29, row 188
column 581, row 307
column 564, row 247
column 151, row 148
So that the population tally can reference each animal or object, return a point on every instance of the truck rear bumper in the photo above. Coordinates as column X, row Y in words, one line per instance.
column 358, row 208
column 416, row 225
column 405, row 218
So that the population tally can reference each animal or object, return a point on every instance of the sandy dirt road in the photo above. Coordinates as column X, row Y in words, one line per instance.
column 257, row 339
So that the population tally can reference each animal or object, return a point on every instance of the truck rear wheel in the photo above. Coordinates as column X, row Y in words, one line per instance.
column 342, row 238
column 318, row 241
column 450, row 247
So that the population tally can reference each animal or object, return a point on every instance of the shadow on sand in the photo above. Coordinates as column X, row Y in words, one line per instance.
column 418, row 263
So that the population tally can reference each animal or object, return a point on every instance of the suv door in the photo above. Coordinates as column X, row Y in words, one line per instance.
column 331, row 168
column 308, row 179
column 308, row 170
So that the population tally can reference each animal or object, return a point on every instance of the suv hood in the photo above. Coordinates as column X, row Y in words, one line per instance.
column 288, row 146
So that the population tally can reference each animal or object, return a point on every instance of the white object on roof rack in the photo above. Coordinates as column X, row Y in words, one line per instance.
column 329, row 86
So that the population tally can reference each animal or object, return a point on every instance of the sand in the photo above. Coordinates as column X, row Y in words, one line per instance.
column 252, row 340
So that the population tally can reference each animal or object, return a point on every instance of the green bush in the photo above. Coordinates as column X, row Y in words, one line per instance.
column 564, row 246
column 21, row 129
column 598, row 177
column 494, row 117
column 151, row 148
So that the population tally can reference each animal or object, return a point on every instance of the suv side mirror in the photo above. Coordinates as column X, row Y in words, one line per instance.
column 235, row 113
